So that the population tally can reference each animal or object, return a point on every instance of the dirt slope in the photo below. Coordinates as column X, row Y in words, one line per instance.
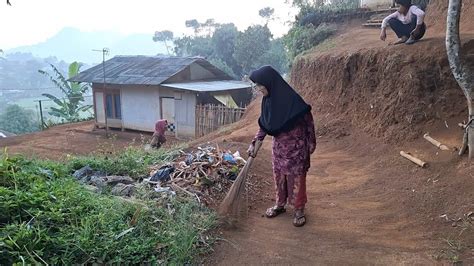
column 436, row 16
column 392, row 93
column 73, row 139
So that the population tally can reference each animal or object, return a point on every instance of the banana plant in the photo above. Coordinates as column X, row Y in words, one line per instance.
column 71, row 106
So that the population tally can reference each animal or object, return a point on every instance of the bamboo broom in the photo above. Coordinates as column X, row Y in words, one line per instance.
column 230, row 207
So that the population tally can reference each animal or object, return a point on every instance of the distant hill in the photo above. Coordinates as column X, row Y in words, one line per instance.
column 71, row 44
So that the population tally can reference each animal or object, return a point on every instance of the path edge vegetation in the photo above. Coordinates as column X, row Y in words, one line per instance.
column 47, row 217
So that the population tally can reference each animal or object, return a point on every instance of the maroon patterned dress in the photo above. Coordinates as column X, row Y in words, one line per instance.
column 291, row 161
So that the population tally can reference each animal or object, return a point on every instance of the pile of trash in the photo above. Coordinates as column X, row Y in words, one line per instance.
column 204, row 173
column 200, row 173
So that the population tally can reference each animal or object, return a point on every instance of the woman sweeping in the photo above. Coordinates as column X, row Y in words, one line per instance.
column 286, row 117
column 407, row 22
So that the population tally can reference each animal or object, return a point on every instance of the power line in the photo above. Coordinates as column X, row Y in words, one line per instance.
column 65, row 98
column 27, row 89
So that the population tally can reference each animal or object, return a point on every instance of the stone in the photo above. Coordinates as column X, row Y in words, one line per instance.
column 123, row 190
column 97, row 181
column 83, row 172
column 114, row 180
column 85, row 180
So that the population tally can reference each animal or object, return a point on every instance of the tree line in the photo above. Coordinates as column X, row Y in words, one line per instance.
column 235, row 52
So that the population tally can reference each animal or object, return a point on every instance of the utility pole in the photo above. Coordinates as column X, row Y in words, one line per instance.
column 41, row 115
column 104, row 51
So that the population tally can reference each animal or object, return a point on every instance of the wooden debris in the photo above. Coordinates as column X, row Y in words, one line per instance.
column 438, row 144
column 202, row 172
column 413, row 159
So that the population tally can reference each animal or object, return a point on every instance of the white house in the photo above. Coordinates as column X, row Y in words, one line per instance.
column 139, row 90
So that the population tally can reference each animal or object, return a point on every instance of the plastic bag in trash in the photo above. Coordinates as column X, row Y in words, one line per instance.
column 229, row 158
column 210, row 159
column 163, row 174
column 239, row 158
column 164, row 190
column 233, row 173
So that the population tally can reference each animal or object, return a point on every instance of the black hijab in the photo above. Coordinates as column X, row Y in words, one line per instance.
column 282, row 107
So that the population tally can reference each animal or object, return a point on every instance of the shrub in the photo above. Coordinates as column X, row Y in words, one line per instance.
column 18, row 120
column 327, row 13
column 302, row 38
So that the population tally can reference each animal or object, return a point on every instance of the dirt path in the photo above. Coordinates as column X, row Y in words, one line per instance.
column 349, row 222
column 74, row 139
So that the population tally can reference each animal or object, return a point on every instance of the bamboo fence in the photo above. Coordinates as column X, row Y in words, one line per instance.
column 210, row 117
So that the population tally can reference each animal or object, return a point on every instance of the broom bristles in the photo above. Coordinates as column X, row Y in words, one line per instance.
column 230, row 206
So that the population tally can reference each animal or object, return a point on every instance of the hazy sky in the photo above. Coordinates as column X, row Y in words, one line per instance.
column 31, row 21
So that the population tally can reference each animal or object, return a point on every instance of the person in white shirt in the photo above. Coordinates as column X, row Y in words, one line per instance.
column 407, row 22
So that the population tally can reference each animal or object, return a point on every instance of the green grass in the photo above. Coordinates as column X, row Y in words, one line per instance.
column 132, row 161
column 48, row 217
column 457, row 244
column 453, row 247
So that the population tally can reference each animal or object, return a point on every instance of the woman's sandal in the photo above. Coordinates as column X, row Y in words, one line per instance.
column 274, row 211
column 299, row 220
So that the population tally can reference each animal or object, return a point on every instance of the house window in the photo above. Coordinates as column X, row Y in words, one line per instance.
column 113, row 106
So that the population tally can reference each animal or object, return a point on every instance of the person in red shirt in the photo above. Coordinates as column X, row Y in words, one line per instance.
column 159, row 136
